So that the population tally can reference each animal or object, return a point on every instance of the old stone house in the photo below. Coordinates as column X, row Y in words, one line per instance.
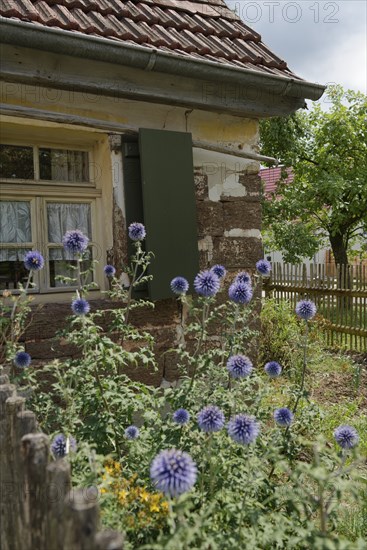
column 116, row 111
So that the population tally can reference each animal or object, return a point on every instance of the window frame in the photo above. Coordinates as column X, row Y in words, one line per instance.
column 39, row 192
column 36, row 146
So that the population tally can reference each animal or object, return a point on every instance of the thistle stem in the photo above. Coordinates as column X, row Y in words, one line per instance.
column 304, row 365
column 204, row 318
column 18, row 298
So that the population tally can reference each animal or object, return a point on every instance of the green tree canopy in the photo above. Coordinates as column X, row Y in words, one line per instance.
column 327, row 201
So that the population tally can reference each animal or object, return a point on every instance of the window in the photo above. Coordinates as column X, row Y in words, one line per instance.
column 45, row 164
column 43, row 195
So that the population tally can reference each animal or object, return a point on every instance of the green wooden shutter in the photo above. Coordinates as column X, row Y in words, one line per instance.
column 169, row 207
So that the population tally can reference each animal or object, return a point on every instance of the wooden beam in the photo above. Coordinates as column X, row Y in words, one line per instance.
column 107, row 126
column 41, row 68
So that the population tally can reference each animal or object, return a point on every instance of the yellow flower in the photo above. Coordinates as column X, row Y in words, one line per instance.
column 144, row 495
column 165, row 507
column 154, row 507
column 122, row 496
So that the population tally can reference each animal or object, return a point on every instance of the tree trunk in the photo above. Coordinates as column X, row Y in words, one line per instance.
column 339, row 249
column 344, row 280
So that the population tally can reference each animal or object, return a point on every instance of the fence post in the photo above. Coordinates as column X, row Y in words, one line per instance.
column 35, row 451
column 109, row 540
column 81, row 521
column 7, row 482
column 58, row 479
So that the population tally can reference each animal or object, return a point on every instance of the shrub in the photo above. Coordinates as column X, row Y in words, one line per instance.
column 280, row 334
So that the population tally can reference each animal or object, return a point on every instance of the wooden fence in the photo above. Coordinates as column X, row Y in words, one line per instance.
column 339, row 293
column 39, row 508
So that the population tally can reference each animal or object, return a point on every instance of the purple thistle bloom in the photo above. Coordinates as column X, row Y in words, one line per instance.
column 80, row 306
column 306, row 309
column 33, row 260
column 240, row 293
column 58, row 446
column 181, row 416
column 132, row 432
column 346, row 436
column 211, row 419
column 239, row 366
column 22, row 359
column 75, row 242
column 243, row 277
column 174, row 472
column 137, row 231
column 243, row 429
column 263, row 267
column 273, row 369
column 109, row 270
column 283, row 417
column 206, row 283
column 219, row 270
column 179, row 285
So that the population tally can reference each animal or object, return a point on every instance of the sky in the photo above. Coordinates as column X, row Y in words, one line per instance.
column 321, row 41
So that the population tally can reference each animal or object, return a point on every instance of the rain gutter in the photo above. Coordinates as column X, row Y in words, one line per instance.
column 75, row 44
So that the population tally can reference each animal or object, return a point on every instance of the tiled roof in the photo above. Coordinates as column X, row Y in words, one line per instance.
column 201, row 29
column 271, row 176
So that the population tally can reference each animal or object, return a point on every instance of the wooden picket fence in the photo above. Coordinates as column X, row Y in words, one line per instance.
column 339, row 292
column 39, row 508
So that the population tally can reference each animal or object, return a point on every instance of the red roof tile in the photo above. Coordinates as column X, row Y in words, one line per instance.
column 204, row 29
column 271, row 176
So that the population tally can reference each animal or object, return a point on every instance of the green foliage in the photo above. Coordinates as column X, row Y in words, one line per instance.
column 280, row 334
column 14, row 311
column 328, row 155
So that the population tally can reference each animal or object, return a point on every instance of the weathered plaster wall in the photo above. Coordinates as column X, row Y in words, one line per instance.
column 227, row 188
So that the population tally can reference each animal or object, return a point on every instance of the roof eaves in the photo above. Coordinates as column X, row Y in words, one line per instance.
column 76, row 44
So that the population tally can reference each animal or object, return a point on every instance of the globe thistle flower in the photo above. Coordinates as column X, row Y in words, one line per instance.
column 109, row 270
column 346, row 436
column 273, row 369
column 173, row 472
column 206, row 283
column 263, row 267
column 137, row 231
column 239, row 366
column 181, row 416
column 80, row 306
column 243, row 277
column 211, row 419
column 240, row 293
column 75, row 242
column 219, row 270
column 33, row 260
column 22, row 359
column 306, row 309
column 179, row 285
column 132, row 432
column 58, row 446
column 243, row 429
column 283, row 417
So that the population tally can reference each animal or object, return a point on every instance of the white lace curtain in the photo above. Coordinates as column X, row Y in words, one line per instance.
column 62, row 217
column 15, row 227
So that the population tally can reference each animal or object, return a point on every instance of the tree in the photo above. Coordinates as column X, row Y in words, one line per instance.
column 327, row 200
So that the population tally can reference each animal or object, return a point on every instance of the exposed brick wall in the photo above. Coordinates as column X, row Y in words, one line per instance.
column 215, row 221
